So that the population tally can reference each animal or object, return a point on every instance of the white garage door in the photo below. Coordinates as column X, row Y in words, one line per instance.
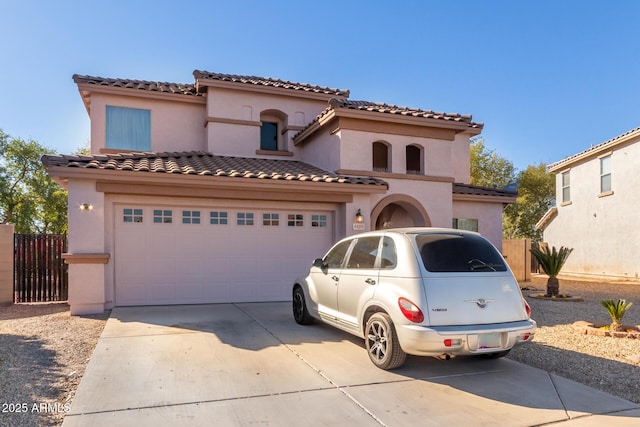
column 187, row 255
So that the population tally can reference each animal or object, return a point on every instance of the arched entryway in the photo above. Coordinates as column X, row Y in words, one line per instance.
column 399, row 210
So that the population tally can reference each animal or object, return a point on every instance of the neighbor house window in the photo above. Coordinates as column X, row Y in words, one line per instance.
column 244, row 218
column 191, row 217
column 161, row 216
column 295, row 220
column 271, row 219
column 269, row 136
column 128, row 128
column 217, row 218
column 605, row 174
column 469, row 224
column 566, row 188
column 414, row 157
column 380, row 157
column 318, row 220
column 131, row 215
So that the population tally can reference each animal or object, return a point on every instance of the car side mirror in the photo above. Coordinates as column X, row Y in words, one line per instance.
column 319, row 262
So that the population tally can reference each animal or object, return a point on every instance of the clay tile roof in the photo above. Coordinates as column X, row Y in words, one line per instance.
column 267, row 81
column 475, row 190
column 162, row 87
column 403, row 111
column 206, row 164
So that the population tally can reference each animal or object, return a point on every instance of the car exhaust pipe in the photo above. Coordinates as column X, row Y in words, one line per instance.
column 444, row 356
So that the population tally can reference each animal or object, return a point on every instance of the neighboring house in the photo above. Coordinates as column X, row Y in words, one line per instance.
column 225, row 190
column 596, row 208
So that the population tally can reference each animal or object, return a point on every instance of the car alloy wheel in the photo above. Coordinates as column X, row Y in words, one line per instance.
column 382, row 342
column 300, row 312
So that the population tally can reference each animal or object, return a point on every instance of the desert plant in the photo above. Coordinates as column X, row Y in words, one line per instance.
column 616, row 310
column 551, row 262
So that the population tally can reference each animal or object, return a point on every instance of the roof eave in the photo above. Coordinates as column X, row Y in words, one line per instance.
column 203, row 83
column 62, row 174
column 594, row 151
column 484, row 198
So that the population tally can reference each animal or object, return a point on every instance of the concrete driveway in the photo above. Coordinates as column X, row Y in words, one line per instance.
column 251, row 364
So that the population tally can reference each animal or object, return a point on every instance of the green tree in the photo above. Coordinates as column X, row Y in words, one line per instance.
column 488, row 169
column 28, row 197
column 536, row 194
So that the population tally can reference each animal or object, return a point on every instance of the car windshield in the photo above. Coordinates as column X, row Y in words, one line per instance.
column 458, row 252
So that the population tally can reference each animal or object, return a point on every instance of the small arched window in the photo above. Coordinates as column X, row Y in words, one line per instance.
column 414, row 159
column 272, row 124
column 381, row 157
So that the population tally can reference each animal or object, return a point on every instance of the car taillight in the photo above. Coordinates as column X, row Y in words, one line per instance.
column 527, row 308
column 411, row 311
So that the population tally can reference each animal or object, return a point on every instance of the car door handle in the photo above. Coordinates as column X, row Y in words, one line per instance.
column 370, row 281
column 335, row 278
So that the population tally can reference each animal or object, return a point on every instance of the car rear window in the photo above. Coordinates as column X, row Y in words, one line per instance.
column 457, row 252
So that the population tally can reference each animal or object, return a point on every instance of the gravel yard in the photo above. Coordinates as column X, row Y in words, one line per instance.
column 44, row 350
column 606, row 363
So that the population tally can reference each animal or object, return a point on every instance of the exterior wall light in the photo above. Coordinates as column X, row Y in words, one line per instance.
column 86, row 207
column 359, row 217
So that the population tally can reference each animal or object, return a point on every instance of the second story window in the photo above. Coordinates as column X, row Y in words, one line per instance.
column 414, row 159
column 605, row 174
column 269, row 136
column 128, row 128
column 566, row 188
column 381, row 157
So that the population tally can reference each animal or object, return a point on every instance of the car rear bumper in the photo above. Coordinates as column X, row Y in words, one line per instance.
column 464, row 340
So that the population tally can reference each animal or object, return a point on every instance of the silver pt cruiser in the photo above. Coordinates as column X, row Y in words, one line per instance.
column 420, row 291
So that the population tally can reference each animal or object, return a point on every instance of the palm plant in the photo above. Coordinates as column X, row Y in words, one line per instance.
column 551, row 262
column 616, row 310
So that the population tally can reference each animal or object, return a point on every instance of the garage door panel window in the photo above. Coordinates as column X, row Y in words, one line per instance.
column 162, row 216
column 270, row 219
column 218, row 218
column 318, row 220
column 244, row 218
column 295, row 220
column 191, row 217
column 132, row 215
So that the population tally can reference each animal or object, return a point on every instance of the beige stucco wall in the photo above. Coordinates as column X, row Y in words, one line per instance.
column 489, row 216
column 601, row 230
column 86, row 236
column 461, row 158
column 241, row 137
column 356, row 152
column 6, row 264
column 175, row 126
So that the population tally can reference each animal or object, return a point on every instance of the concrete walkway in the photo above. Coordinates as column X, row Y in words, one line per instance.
column 251, row 364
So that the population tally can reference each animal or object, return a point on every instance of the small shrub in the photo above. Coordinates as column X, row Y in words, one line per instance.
column 616, row 310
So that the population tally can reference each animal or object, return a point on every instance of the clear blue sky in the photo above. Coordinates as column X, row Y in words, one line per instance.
column 549, row 78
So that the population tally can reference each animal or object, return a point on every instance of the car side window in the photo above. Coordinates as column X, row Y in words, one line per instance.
column 364, row 253
column 336, row 255
column 389, row 256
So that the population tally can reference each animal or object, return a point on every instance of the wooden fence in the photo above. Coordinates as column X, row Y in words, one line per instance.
column 40, row 274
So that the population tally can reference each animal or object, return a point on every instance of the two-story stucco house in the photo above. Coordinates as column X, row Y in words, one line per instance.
column 596, row 209
column 225, row 190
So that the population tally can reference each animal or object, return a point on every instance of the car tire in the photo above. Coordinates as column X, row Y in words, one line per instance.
column 300, row 312
column 496, row 355
column 382, row 342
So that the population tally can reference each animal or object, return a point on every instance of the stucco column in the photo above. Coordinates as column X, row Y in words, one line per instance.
column 6, row 264
column 86, row 257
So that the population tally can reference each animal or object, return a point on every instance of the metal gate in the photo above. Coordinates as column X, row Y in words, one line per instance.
column 40, row 274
